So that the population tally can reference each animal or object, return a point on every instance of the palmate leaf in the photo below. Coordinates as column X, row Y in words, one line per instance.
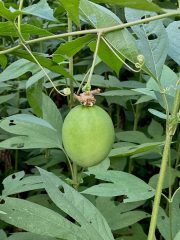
column 98, row 17
column 41, row 220
column 119, row 183
column 37, row 219
column 152, row 40
column 17, row 183
column 120, row 215
column 76, row 206
column 34, row 133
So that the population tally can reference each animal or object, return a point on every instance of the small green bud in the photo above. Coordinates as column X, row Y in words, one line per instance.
column 67, row 91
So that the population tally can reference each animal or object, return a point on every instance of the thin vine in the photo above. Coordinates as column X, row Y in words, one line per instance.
column 172, row 122
column 95, row 31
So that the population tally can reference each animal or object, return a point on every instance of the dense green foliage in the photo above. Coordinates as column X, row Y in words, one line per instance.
column 49, row 50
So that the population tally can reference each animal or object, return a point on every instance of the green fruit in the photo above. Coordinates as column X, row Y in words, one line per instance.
column 88, row 135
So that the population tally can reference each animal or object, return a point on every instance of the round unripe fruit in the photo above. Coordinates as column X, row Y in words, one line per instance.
column 88, row 135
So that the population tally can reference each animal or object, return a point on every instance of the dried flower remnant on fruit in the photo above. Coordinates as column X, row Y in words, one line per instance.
column 87, row 98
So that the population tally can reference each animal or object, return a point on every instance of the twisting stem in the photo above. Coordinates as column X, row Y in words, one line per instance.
column 170, row 130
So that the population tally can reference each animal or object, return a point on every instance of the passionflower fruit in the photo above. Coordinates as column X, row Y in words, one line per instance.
column 88, row 135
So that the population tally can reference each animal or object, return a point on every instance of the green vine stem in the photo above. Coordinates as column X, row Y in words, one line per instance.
column 20, row 16
column 172, row 123
column 71, row 103
column 71, row 66
column 92, row 31
column 169, row 203
column 82, row 82
column 87, row 87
